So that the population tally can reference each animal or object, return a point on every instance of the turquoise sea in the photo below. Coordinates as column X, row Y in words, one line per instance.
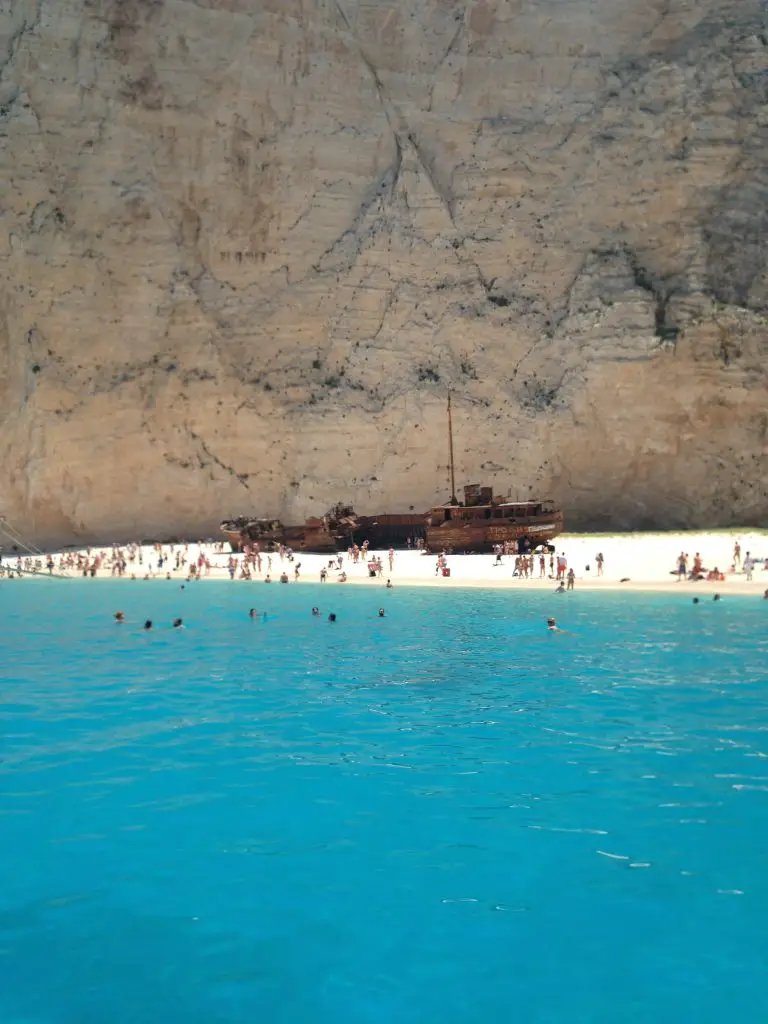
column 444, row 816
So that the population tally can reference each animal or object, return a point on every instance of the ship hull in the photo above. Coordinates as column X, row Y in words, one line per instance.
column 483, row 536
column 389, row 530
column 298, row 538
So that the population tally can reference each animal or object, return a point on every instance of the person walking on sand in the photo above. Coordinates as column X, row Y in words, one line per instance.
column 391, row 559
column 737, row 555
column 749, row 565
column 599, row 560
column 571, row 579
column 681, row 566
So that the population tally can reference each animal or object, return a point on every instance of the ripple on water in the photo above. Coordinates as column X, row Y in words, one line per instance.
column 403, row 819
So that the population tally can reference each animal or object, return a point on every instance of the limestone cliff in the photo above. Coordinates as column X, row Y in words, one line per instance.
column 248, row 245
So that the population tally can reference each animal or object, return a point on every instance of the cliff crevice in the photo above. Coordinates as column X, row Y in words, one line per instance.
column 247, row 249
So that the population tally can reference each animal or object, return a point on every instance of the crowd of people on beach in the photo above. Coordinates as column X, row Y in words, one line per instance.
column 216, row 559
column 698, row 571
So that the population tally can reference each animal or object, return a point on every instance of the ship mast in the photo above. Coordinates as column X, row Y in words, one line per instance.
column 454, row 500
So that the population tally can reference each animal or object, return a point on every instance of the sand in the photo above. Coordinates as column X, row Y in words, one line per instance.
column 633, row 562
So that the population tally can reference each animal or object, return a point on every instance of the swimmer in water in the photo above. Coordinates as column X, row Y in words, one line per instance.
column 695, row 600
column 381, row 613
column 553, row 627
column 315, row 611
column 332, row 617
column 252, row 613
column 560, row 589
column 716, row 597
column 178, row 624
column 389, row 584
column 119, row 617
column 148, row 625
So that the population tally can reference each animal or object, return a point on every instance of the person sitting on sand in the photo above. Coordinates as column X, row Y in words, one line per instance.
column 343, row 578
column 119, row 617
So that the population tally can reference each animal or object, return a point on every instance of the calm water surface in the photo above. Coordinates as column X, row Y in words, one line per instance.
column 447, row 815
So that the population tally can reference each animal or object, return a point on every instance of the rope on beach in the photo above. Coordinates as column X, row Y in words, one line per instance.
column 18, row 541
column 10, row 572
column 15, row 538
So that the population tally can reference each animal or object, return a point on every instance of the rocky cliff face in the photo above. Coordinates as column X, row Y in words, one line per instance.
column 248, row 245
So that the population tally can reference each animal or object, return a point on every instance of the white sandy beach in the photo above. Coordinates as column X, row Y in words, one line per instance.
column 637, row 561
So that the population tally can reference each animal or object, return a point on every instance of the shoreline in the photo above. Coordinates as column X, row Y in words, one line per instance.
column 700, row 588
column 634, row 563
